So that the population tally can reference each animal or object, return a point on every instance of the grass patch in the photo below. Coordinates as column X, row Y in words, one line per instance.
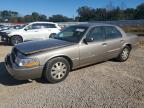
column 142, row 43
column 138, row 30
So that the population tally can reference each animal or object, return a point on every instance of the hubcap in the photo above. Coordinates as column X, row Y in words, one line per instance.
column 16, row 40
column 58, row 70
column 125, row 54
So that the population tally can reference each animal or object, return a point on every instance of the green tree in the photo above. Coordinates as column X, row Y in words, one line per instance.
column 5, row 15
column 59, row 18
column 129, row 13
column 35, row 16
column 100, row 14
column 13, row 20
column 86, row 13
column 140, row 11
column 21, row 19
column 43, row 18
column 9, row 15
column 28, row 18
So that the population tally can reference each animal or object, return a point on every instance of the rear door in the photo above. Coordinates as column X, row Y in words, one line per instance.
column 113, row 41
column 49, row 29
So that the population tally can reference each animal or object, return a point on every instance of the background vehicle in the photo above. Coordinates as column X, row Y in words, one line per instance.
column 33, row 31
column 1, row 26
column 9, row 29
column 74, row 47
column 4, row 28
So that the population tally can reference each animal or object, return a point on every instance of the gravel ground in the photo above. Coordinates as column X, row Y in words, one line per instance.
column 104, row 85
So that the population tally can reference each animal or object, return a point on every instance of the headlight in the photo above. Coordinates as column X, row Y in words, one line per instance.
column 28, row 62
column 7, row 32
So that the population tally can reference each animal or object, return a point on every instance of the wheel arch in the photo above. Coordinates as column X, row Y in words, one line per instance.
column 127, row 44
column 63, row 56
column 17, row 35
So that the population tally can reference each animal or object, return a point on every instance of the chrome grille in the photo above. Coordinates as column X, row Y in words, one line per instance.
column 14, row 54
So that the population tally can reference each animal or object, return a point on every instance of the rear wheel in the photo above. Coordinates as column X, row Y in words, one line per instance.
column 52, row 35
column 16, row 40
column 124, row 55
column 56, row 70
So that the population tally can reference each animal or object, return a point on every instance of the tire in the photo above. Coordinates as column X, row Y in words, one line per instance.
column 124, row 55
column 52, row 35
column 56, row 70
column 16, row 40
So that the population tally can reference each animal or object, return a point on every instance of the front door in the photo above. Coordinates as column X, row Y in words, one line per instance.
column 94, row 51
column 33, row 32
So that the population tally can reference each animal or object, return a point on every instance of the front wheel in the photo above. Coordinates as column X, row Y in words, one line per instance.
column 52, row 35
column 16, row 40
column 56, row 70
column 124, row 55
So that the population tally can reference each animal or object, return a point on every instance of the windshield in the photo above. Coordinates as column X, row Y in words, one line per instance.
column 19, row 27
column 72, row 34
column 15, row 27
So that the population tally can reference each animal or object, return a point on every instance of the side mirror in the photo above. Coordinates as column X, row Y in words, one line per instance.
column 86, row 40
column 53, row 35
column 25, row 29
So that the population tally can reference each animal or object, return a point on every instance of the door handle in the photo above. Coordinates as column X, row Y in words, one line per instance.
column 121, row 41
column 104, row 44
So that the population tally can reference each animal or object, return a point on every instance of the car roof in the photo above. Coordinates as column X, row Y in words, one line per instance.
column 43, row 22
column 93, row 24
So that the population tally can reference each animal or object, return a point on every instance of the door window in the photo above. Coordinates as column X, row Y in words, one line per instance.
column 35, row 26
column 96, row 34
column 112, row 32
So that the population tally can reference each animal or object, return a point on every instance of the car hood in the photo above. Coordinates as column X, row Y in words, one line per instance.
column 9, row 31
column 39, row 46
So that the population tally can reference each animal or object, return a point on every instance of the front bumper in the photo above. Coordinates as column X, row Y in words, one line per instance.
column 22, row 73
column 4, row 37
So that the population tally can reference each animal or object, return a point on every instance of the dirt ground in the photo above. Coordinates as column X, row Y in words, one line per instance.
column 105, row 85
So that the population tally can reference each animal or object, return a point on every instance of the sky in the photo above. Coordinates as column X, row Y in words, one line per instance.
column 65, row 7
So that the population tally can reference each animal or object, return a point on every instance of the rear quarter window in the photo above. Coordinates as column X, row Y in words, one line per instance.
column 49, row 25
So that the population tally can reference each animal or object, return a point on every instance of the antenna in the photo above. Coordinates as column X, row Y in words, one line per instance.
column 123, row 5
column 110, row 5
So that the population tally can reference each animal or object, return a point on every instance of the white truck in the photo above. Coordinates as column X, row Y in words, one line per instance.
column 32, row 31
